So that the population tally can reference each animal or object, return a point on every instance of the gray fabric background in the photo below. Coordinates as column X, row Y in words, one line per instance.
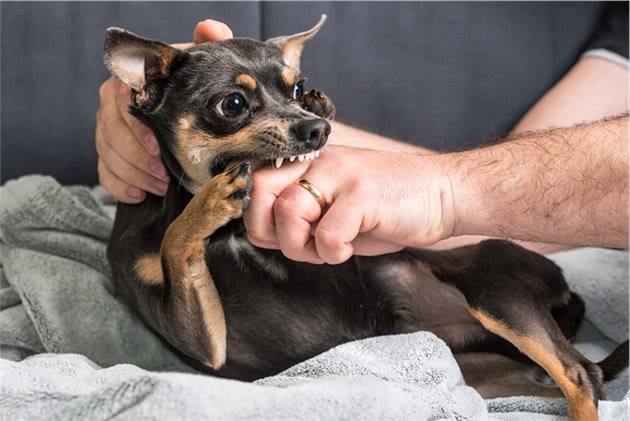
column 443, row 75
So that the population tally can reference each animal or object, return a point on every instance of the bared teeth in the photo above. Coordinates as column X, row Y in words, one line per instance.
column 277, row 162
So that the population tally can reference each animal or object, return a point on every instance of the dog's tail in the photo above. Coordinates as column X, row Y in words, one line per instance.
column 615, row 363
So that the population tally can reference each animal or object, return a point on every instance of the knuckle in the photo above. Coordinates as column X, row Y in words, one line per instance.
column 145, row 164
column 118, row 190
column 106, row 132
column 327, row 238
column 122, row 99
column 99, row 170
column 284, row 207
column 358, row 189
column 99, row 122
column 102, row 90
column 138, row 128
column 136, row 178
column 256, row 237
column 335, row 259
column 257, row 230
column 106, row 181
column 293, row 253
column 330, row 258
column 140, row 158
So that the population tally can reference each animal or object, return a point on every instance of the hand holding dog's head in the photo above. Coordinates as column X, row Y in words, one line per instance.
column 221, row 102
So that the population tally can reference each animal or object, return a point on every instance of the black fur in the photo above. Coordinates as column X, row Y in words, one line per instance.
column 279, row 312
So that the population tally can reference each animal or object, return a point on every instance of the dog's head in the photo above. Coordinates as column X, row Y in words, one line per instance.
column 221, row 102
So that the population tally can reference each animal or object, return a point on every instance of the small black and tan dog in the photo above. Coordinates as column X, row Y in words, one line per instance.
column 184, row 264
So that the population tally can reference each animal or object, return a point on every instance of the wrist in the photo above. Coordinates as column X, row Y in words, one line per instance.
column 433, row 198
column 468, row 207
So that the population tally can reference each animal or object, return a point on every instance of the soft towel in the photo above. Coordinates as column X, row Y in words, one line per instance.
column 56, row 297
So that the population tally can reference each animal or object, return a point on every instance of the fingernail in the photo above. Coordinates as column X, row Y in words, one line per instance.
column 152, row 145
column 159, row 170
column 159, row 187
column 134, row 193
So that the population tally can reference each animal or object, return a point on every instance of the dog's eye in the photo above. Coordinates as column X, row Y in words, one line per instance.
column 298, row 90
column 232, row 105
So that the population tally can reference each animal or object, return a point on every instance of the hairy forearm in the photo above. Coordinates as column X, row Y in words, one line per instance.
column 567, row 185
column 345, row 135
column 605, row 84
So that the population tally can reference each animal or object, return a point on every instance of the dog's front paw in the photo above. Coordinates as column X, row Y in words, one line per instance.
column 226, row 195
column 318, row 103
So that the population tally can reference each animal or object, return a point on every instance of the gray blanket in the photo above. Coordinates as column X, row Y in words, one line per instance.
column 70, row 350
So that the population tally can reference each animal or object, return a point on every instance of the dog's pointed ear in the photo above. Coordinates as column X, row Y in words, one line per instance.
column 292, row 45
column 137, row 61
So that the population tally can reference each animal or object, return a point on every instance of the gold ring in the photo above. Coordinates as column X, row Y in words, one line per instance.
column 314, row 192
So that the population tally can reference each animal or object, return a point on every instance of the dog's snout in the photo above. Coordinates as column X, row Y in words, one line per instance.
column 313, row 132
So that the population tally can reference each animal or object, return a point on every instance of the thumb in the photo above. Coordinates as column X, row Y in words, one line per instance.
column 211, row 30
column 335, row 232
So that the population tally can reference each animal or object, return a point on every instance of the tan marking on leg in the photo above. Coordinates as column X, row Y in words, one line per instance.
column 290, row 76
column 581, row 406
column 246, row 81
column 149, row 269
column 195, row 300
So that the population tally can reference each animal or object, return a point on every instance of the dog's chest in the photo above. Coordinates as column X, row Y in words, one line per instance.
column 279, row 312
column 243, row 256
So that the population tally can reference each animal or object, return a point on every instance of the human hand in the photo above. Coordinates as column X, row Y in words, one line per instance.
column 378, row 202
column 129, row 163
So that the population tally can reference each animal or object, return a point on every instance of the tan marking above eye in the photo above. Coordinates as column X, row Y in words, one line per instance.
column 290, row 76
column 246, row 81
column 149, row 269
column 186, row 122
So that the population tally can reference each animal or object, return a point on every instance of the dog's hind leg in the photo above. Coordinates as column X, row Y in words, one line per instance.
column 512, row 292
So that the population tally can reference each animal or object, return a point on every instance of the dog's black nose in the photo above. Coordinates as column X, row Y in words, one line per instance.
column 312, row 132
